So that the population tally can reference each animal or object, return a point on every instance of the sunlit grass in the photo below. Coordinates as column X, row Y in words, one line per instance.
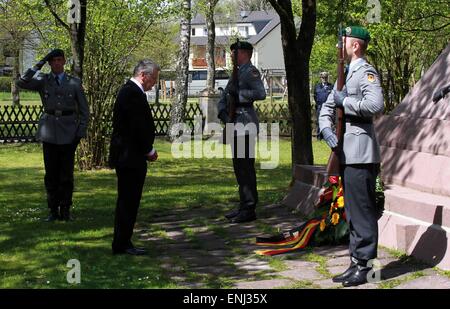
column 34, row 254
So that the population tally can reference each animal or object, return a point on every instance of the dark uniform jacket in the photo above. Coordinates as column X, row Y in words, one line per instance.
column 133, row 128
column 321, row 92
column 66, row 112
column 251, row 88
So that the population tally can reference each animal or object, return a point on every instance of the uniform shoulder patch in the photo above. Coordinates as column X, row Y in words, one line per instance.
column 371, row 77
column 255, row 73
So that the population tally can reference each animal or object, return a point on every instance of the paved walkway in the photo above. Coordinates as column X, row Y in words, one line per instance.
column 200, row 249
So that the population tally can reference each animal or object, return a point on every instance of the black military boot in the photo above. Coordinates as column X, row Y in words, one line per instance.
column 53, row 216
column 245, row 215
column 65, row 213
column 232, row 214
column 359, row 274
column 342, row 277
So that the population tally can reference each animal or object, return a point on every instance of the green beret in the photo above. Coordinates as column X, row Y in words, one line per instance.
column 241, row 45
column 356, row 32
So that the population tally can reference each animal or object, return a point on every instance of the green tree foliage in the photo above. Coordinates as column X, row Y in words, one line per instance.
column 407, row 39
column 159, row 44
column 115, row 31
column 15, row 29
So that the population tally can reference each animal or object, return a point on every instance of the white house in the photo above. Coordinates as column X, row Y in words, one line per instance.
column 27, row 56
column 260, row 28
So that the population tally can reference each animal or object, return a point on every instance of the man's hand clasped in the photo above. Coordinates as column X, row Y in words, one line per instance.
column 152, row 157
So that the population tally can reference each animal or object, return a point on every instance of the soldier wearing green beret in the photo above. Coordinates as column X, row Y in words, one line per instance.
column 361, row 99
column 63, row 123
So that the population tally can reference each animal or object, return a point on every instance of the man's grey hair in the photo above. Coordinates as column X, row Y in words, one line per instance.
column 147, row 66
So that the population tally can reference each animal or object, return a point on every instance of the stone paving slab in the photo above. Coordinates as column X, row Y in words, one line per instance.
column 303, row 274
column 253, row 265
column 328, row 284
column 339, row 261
column 228, row 254
column 299, row 264
column 332, row 251
column 336, row 270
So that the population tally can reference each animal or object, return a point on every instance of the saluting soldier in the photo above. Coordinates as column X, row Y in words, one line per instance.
column 250, row 88
column 63, row 123
column 362, row 99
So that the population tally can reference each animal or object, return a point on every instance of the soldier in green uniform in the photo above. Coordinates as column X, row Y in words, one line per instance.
column 362, row 99
column 63, row 123
column 251, row 88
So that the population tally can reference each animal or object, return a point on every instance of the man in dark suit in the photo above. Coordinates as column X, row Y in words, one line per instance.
column 131, row 147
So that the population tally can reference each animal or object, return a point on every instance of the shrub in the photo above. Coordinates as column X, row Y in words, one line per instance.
column 5, row 83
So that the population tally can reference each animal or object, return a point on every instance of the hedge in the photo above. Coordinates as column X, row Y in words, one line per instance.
column 5, row 83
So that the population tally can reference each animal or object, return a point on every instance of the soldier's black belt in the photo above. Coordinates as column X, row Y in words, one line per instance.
column 351, row 119
column 59, row 113
column 244, row 104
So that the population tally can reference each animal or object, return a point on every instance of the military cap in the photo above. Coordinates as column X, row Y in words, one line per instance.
column 241, row 45
column 356, row 32
column 56, row 53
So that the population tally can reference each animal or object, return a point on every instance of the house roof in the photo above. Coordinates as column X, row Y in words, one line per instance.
column 262, row 21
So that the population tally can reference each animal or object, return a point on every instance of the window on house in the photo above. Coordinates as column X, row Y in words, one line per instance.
column 243, row 31
column 193, row 31
column 223, row 30
column 205, row 31
column 199, row 51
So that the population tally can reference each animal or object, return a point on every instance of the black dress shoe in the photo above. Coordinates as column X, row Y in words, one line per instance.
column 135, row 251
column 244, row 216
column 342, row 277
column 131, row 251
column 53, row 216
column 65, row 214
column 232, row 214
column 358, row 277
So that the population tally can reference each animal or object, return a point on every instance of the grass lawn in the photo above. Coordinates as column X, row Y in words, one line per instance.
column 26, row 98
column 33, row 253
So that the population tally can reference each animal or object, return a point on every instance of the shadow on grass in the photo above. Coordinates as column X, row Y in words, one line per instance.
column 34, row 253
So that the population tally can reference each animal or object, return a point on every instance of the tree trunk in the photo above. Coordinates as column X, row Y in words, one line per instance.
column 77, row 34
column 15, row 74
column 210, row 53
column 297, row 52
column 181, row 87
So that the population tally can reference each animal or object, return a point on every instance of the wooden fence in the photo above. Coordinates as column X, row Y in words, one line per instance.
column 19, row 124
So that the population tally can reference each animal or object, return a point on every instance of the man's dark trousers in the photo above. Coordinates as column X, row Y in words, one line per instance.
column 59, row 161
column 359, row 181
column 130, row 182
column 244, row 168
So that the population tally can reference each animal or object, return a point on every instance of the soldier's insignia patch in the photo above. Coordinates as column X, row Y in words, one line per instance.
column 371, row 77
column 348, row 30
column 255, row 72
